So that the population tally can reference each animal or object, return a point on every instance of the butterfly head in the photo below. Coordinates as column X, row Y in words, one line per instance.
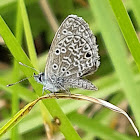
column 46, row 82
column 40, row 78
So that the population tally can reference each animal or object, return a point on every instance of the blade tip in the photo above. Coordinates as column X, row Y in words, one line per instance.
column 20, row 63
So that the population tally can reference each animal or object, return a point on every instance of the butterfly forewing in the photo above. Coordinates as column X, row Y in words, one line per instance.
column 73, row 53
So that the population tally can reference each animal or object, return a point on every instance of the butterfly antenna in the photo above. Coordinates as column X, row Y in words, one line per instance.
column 29, row 67
column 19, row 81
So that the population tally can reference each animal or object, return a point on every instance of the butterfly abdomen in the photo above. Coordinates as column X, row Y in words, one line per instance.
column 81, row 83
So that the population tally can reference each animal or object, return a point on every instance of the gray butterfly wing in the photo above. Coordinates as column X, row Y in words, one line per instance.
column 73, row 53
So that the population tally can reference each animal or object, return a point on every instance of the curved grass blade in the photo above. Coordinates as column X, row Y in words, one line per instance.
column 18, row 117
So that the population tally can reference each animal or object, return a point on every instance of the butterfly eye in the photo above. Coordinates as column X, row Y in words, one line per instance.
column 63, row 69
column 40, row 78
column 67, row 73
column 55, row 66
column 63, row 50
column 64, row 31
column 57, row 51
column 88, row 55
column 58, row 36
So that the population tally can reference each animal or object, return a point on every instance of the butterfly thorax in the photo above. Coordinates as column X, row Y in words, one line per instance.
column 50, row 82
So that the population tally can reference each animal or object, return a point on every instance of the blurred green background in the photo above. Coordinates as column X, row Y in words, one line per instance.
column 117, row 78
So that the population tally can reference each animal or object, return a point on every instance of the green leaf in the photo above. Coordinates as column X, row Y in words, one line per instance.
column 54, row 109
column 127, row 29
column 117, row 51
column 98, row 129
column 28, row 34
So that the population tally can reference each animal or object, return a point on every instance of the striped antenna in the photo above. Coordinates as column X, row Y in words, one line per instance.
column 24, row 78
column 19, row 81
column 29, row 67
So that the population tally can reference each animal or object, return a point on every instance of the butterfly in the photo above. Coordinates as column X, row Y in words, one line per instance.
column 73, row 54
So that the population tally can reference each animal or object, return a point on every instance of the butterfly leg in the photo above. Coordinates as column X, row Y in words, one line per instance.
column 66, row 90
column 47, row 93
column 56, row 96
column 43, row 91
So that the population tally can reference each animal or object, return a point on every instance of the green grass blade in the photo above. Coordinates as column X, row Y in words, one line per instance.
column 17, row 117
column 15, row 101
column 28, row 107
column 136, row 9
column 19, row 25
column 29, row 38
column 54, row 109
column 30, row 46
column 127, row 29
column 117, row 52
column 15, row 97
column 34, row 58
column 95, row 127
